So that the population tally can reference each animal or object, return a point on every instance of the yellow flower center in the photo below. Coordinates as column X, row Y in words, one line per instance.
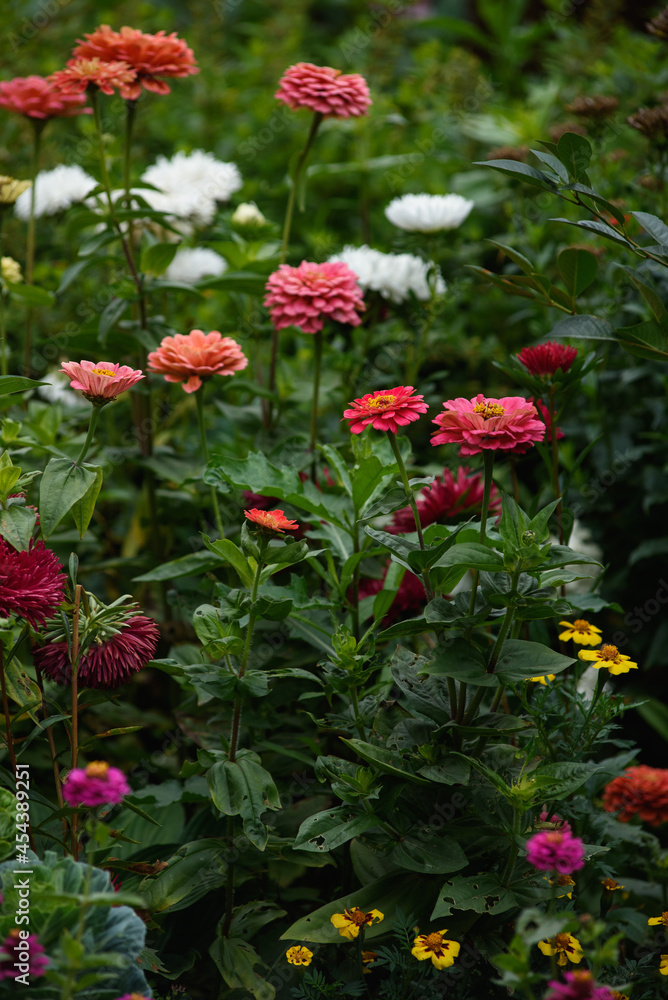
column 608, row 653
column 563, row 880
column 103, row 371
column 562, row 942
column 97, row 769
column 487, row 410
column 382, row 402
column 433, row 941
column 580, row 625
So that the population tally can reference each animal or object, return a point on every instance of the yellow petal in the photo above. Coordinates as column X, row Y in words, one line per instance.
column 546, row 948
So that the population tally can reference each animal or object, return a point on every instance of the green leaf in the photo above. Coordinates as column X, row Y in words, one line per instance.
column 480, row 893
column 520, row 660
column 157, row 258
column 83, row 509
column 389, row 761
column 399, row 546
column 517, row 258
column 577, row 268
column 244, row 788
column 31, row 295
column 652, row 225
column 649, row 294
column 196, row 869
column 600, row 228
column 461, row 660
column 366, row 477
column 326, row 830
column 17, row 525
column 550, row 160
column 16, row 383
column 421, row 559
column 236, row 960
column 62, row 485
column 197, row 562
column 233, row 555
column 583, row 327
column 521, row 171
column 646, row 340
column 426, row 850
column 575, row 153
column 110, row 316
column 473, row 555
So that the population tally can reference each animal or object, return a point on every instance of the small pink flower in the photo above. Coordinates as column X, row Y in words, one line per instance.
column 32, row 582
column 481, row 423
column 447, row 499
column 305, row 296
column 328, row 91
column 106, row 76
column 580, row 985
column 385, row 409
column 39, row 97
column 193, row 358
column 13, row 947
column 97, row 784
column 547, row 359
column 555, row 851
column 102, row 381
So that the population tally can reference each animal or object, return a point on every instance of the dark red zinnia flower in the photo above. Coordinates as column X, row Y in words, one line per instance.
column 107, row 663
column 31, row 582
column 447, row 499
column 546, row 359
column 410, row 600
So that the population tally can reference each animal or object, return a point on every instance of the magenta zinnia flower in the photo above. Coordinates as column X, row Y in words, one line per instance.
column 482, row 423
column 555, row 851
column 447, row 499
column 18, row 946
column 102, row 381
column 98, row 784
column 328, row 91
column 385, row 409
column 109, row 661
column 579, row 985
column 31, row 582
column 546, row 359
column 195, row 357
column 307, row 295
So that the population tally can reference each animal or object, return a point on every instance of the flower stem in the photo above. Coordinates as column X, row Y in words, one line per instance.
column 413, row 506
column 199, row 399
column 555, row 461
column 38, row 126
column 5, row 706
column 317, row 365
column 236, row 717
column 514, row 849
column 52, row 748
column 3, row 334
column 356, row 709
column 74, row 722
column 94, row 417
column 488, row 460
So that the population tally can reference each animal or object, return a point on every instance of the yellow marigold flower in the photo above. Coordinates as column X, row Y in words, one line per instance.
column 544, row 679
column 616, row 995
column 565, row 946
column 581, row 632
column 562, row 882
column 663, row 919
column 610, row 885
column 368, row 957
column 10, row 271
column 434, row 946
column 298, row 955
column 350, row 922
column 663, row 968
column 609, row 657
column 10, row 189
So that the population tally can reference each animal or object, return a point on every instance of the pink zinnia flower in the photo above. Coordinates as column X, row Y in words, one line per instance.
column 98, row 784
column 555, row 851
column 270, row 520
column 107, row 663
column 385, row 409
column 546, row 359
column 481, row 423
column 150, row 56
column 193, row 358
column 579, row 985
column 31, row 582
column 328, row 91
column 102, row 381
column 13, row 951
column 107, row 76
column 39, row 97
column 446, row 499
column 305, row 296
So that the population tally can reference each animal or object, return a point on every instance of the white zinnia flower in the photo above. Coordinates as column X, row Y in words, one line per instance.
column 193, row 263
column 428, row 213
column 189, row 185
column 394, row 275
column 55, row 190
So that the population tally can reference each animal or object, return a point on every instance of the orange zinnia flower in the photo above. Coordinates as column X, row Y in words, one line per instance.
column 193, row 358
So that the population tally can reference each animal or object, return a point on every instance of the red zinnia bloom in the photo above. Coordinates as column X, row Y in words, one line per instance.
column 447, row 499
column 385, row 409
column 546, row 359
column 328, row 91
column 107, row 76
column 98, row 784
column 150, row 56
column 481, row 423
column 102, row 381
column 305, row 296
column 108, row 662
column 193, row 358
column 410, row 599
column 40, row 97
column 11, row 955
column 31, row 582
column 271, row 520
column 640, row 791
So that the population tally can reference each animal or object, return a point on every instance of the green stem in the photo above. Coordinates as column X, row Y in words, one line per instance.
column 514, row 849
column 131, row 111
column 355, row 610
column 413, row 506
column 38, row 126
column 74, row 721
column 199, row 400
column 317, row 365
column 600, row 683
column 5, row 707
column 488, row 460
column 3, row 334
column 496, row 652
column 236, row 717
column 356, row 709
column 94, row 417
column 555, row 461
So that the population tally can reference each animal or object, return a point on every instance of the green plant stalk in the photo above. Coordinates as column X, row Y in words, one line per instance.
column 94, row 417
column 5, row 707
column 488, row 460
column 356, row 709
column 514, row 849
column 236, row 716
column 130, row 114
column 3, row 333
column 287, row 226
column 554, row 443
column 317, row 365
column 38, row 126
column 199, row 400
column 600, row 684
column 74, row 722
column 355, row 610
column 496, row 652
column 52, row 749
column 413, row 506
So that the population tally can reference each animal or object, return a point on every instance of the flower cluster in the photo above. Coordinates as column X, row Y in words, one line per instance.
column 483, row 423
column 641, row 791
column 98, row 784
column 385, row 409
column 193, row 358
column 327, row 91
column 395, row 276
column 55, row 191
column 102, row 381
column 428, row 213
column 547, row 359
column 555, row 851
column 189, row 185
column 305, row 296
column 31, row 582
